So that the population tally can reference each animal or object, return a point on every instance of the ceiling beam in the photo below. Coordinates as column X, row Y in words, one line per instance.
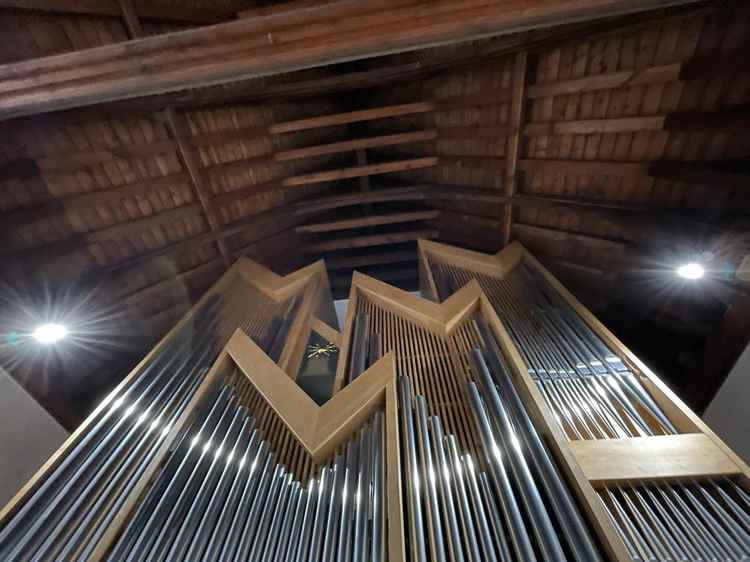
column 513, row 151
column 374, row 220
column 355, row 145
column 359, row 171
column 367, row 241
column 284, row 42
column 146, row 10
column 364, row 260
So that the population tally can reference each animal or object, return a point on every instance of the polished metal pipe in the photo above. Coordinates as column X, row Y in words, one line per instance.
column 509, row 506
column 468, row 531
column 510, row 447
column 445, row 487
column 435, row 527
column 413, row 478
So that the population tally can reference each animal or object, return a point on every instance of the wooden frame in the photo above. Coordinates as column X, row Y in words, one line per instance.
column 694, row 453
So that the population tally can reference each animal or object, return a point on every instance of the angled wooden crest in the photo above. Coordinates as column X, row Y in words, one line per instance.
column 319, row 429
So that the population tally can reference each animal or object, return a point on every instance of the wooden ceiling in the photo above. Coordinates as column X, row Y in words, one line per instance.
column 142, row 150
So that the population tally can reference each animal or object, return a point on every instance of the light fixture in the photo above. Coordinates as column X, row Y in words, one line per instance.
column 691, row 270
column 50, row 333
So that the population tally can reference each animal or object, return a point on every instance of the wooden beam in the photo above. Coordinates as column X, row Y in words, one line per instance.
column 355, row 262
column 180, row 131
column 514, row 140
column 351, row 117
column 585, row 167
column 147, row 10
column 366, row 241
column 591, row 126
column 565, row 236
column 653, row 75
column 699, row 174
column 411, row 193
column 354, row 145
column 359, row 171
column 376, row 220
column 287, row 41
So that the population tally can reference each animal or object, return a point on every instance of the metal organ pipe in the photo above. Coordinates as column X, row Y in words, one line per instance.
column 593, row 394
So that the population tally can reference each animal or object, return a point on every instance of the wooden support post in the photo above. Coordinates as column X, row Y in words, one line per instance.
column 514, row 140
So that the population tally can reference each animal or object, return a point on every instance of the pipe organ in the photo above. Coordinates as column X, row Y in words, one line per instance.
column 492, row 419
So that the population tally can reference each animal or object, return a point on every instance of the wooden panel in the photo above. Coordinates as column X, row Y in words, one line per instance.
column 690, row 455
column 365, row 241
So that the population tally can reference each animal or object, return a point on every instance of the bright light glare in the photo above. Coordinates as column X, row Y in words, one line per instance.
column 50, row 333
column 691, row 271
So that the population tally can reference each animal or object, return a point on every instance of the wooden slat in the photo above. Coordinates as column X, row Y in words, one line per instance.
column 652, row 75
column 366, row 241
column 699, row 174
column 357, row 144
column 370, row 259
column 375, row 220
column 591, row 126
column 289, row 41
column 658, row 457
column 359, row 171
column 585, row 167
column 514, row 140
column 350, row 117
column 148, row 10
column 412, row 193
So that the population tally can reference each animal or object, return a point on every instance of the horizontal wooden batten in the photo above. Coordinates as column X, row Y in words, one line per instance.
column 111, row 8
column 591, row 126
column 351, row 117
column 287, row 41
column 652, row 75
column 375, row 220
column 367, row 241
column 370, row 259
column 412, row 193
column 585, row 167
column 361, row 171
column 357, row 144
column 613, row 461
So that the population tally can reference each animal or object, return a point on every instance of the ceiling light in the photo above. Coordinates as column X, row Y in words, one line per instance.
column 691, row 271
column 50, row 333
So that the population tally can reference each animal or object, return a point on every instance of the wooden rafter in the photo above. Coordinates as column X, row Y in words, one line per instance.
column 180, row 132
column 288, row 41
column 147, row 10
column 514, row 140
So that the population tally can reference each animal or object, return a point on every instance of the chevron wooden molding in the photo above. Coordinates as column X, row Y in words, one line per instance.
column 278, row 287
column 440, row 318
column 319, row 429
column 494, row 265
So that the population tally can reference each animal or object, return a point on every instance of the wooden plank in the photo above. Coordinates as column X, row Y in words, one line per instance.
column 514, row 140
column 370, row 259
column 375, row 220
column 411, row 193
column 359, row 171
column 326, row 331
column 658, row 457
column 350, row 117
column 585, row 167
column 366, row 241
column 653, row 75
column 180, row 132
column 698, row 174
column 592, row 126
column 357, row 144
column 283, row 42
column 148, row 10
